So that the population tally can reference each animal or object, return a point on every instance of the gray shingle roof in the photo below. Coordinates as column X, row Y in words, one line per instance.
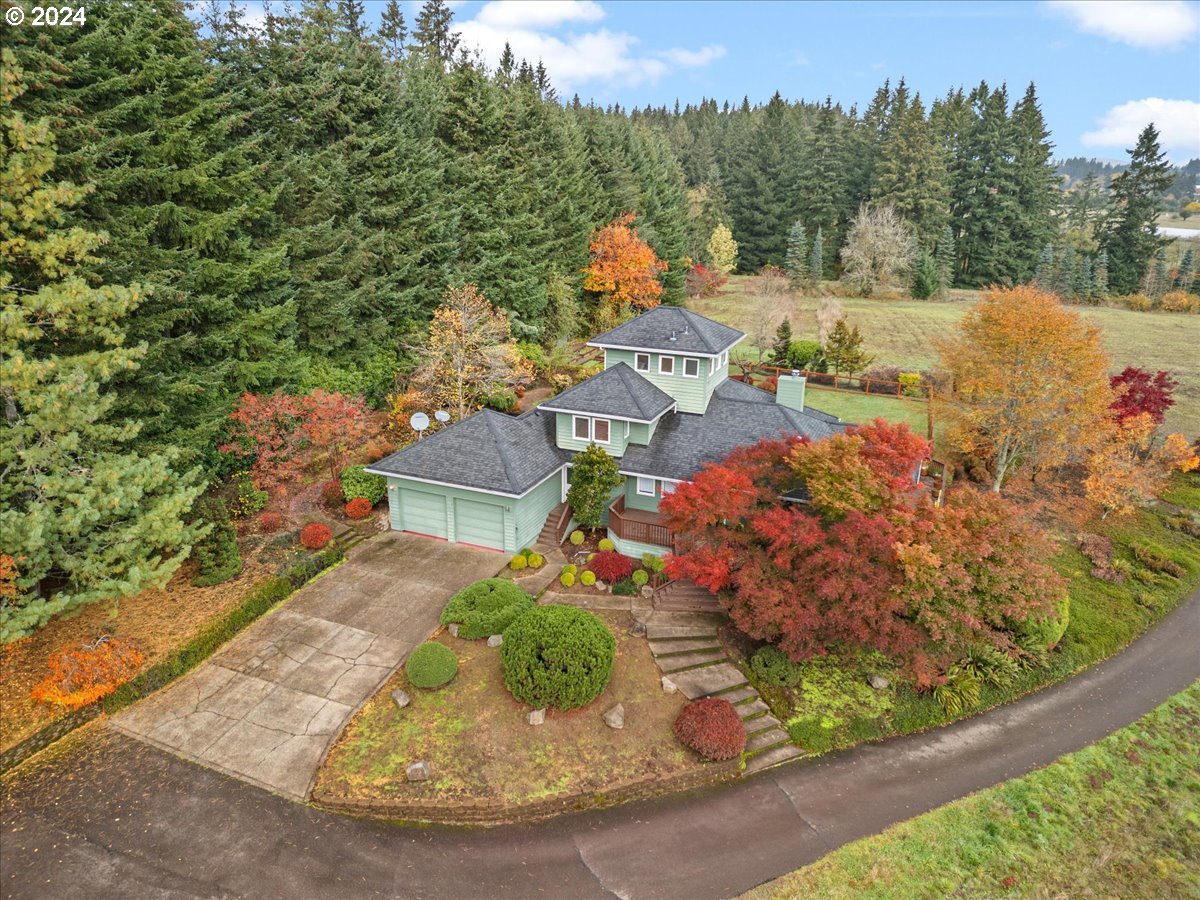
column 489, row 451
column 652, row 330
column 618, row 391
column 683, row 443
column 737, row 390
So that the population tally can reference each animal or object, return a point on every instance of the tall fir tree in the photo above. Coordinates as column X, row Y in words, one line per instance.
column 393, row 31
column 434, row 35
column 816, row 257
column 1129, row 236
column 910, row 173
column 1100, row 274
column 796, row 264
column 1035, row 184
column 1186, row 277
column 84, row 515
column 947, row 258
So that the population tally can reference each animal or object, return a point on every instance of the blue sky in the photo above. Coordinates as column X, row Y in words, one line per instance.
column 1103, row 69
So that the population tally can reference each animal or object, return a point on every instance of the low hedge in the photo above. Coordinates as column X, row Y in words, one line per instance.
column 431, row 665
column 557, row 656
column 486, row 607
column 711, row 727
column 356, row 482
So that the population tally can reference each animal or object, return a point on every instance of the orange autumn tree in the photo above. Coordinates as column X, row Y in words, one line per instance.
column 624, row 269
column 1030, row 382
column 1127, row 470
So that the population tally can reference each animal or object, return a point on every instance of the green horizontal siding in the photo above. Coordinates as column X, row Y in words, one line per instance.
column 532, row 509
column 565, row 435
column 636, row 548
column 634, row 500
column 642, row 433
column 692, row 394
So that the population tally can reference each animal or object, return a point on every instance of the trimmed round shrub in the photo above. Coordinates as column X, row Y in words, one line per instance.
column 711, row 727
column 610, row 566
column 331, row 493
column 587, row 577
column 358, row 508
column 269, row 521
column 535, row 560
column 315, row 535
column 653, row 563
column 607, row 544
column 576, row 537
column 1044, row 634
column 518, row 562
column 557, row 656
column 486, row 607
column 431, row 665
column 770, row 664
column 640, row 577
column 357, row 482
column 572, row 568
column 567, row 579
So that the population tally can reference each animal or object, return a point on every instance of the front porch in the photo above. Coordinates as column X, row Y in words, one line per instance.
column 638, row 531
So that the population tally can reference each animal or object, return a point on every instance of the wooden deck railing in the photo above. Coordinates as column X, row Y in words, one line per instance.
column 638, row 525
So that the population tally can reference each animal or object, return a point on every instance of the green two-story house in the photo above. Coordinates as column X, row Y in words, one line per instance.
column 663, row 406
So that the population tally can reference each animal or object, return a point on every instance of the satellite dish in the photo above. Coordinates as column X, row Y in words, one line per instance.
column 442, row 416
column 419, row 421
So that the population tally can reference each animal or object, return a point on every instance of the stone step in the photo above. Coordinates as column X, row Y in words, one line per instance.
column 695, row 683
column 762, row 722
column 683, row 645
column 681, row 661
column 773, row 757
column 766, row 739
column 688, row 618
column 739, row 695
column 753, row 708
column 658, row 632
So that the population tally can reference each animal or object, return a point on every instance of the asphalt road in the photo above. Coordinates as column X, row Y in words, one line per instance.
column 103, row 815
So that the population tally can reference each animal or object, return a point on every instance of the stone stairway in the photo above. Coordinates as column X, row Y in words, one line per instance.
column 688, row 652
column 684, row 596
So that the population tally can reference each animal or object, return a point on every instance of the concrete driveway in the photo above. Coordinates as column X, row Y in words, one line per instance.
column 266, row 707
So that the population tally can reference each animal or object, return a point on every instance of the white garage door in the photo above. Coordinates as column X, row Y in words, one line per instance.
column 423, row 512
column 481, row 524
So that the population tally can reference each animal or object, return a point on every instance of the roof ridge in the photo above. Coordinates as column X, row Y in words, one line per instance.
column 505, row 459
column 622, row 370
column 689, row 316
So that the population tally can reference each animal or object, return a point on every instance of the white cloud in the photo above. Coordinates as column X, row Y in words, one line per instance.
column 1177, row 121
column 541, row 31
column 1150, row 24
column 538, row 13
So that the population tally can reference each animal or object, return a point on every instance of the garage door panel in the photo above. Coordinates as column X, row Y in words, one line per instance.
column 423, row 512
column 479, row 523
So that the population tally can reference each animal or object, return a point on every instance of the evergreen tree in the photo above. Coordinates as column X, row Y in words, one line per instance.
column 1162, row 274
column 84, row 516
column 1100, row 274
column 911, row 172
column 433, row 34
column 926, row 279
column 1066, row 274
column 1045, row 276
column 780, row 350
column 844, row 350
column 1129, row 237
column 722, row 250
column 1187, row 271
column 947, row 259
column 1035, row 184
column 1083, row 208
column 1084, row 289
column 816, row 258
column 393, row 32
column 796, row 264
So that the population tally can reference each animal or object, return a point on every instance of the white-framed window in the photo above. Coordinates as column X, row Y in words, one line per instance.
column 668, row 487
column 691, row 368
column 583, row 428
column 641, row 362
column 645, row 486
column 600, row 431
column 666, row 365
column 724, row 359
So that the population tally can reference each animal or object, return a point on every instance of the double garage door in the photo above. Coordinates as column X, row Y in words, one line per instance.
column 475, row 522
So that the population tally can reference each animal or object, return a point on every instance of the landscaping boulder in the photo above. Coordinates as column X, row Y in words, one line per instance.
column 638, row 629
column 418, row 771
column 647, row 591
column 495, row 640
column 537, row 717
column 615, row 717
column 402, row 699
column 669, row 687
column 453, row 629
column 878, row 682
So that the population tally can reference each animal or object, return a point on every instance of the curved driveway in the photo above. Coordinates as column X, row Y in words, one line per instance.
column 108, row 816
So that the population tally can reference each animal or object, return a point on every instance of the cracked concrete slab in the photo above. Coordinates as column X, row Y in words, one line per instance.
column 266, row 707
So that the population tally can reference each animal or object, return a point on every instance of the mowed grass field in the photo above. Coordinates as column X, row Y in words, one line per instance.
column 901, row 333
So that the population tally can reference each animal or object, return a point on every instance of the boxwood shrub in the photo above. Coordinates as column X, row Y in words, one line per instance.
column 607, row 544
column 486, row 607
column 587, row 577
column 567, row 579
column 576, row 537
column 557, row 656
column 431, row 665
column 357, row 482
column 640, row 577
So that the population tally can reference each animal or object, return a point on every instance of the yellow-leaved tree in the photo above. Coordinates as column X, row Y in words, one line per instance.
column 1030, row 383
column 1127, row 469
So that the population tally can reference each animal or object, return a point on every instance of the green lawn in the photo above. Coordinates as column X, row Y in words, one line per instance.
column 850, row 406
column 900, row 332
column 1120, row 818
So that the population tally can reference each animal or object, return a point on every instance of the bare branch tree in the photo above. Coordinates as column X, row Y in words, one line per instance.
column 879, row 248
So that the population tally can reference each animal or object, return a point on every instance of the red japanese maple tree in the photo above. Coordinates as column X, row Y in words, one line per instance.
column 868, row 562
column 1140, row 392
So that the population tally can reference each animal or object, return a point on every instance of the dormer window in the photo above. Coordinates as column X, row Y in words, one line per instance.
column 666, row 365
column 641, row 362
column 583, row 428
column 600, row 431
column 691, row 368
column 588, row 429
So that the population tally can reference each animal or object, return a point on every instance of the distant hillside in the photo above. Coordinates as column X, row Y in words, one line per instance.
column 1075, row 169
